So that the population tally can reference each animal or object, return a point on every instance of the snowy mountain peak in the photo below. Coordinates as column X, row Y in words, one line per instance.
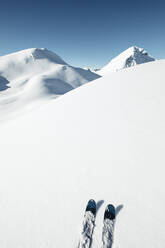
column 44, row 53
column 35, row 54
column 130, row 57
column 136, row 55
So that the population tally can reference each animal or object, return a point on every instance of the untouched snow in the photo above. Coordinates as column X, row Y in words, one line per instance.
column 29, row 77
column 130, row 57
column 104, row 140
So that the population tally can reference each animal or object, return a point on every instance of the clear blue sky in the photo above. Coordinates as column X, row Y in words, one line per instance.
column 83, row 33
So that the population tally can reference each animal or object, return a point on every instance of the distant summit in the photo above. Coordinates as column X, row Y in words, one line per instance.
column 130, row 57
column 94, row 70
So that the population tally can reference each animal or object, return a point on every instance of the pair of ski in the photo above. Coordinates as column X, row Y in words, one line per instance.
column 89, row 223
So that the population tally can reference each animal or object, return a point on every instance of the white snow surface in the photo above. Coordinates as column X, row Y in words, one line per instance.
column 130, row 57
column 30, row 76
column 104, row 140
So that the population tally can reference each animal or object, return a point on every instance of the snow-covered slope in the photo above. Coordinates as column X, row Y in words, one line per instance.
column 32, row 75
column 130, row 57
column 104, row 140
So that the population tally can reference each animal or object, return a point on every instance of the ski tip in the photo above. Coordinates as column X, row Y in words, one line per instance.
column 110, row 212
column 91, row 206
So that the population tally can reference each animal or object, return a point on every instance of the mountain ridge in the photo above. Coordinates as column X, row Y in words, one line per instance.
column 32, row 75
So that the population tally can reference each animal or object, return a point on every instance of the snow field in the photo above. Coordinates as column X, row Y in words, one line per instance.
column 103, row 140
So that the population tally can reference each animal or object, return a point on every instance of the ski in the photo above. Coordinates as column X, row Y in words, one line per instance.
column 108, row 226
column 88, row 225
